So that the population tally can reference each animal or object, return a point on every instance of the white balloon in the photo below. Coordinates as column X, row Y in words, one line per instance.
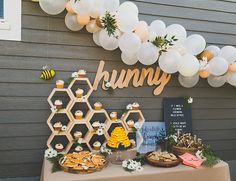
column 110, row 6
column 142, row 31
column 152, row 35
column 129, row 59
column 53, row 7
column 128, row 7
column 195, row 44
column 148, row 53
column 72, row 23
column 218, row 66
column 214, row 49
column 96, row 8
column 81, row 7
column 158, row 27
column 216, row 81
column 231, row 78
column 129, row 43
column 178, row 31
column 92, row 27
column 189, row 65
column 109, row 42
column 96, row 38
column 188, row 82
column 169, row 62
column 228, row 53
column 127, row 21
column 181, row 49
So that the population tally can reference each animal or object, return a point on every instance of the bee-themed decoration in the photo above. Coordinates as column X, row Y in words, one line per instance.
column 47, row 73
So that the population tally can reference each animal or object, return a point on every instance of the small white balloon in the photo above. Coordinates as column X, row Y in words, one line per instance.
column 127, row 21
column 169, row 62
column 53, row 7
column 178, row 31
column 72, row 23
column 214, row 49
column 129, row 59
column 92, row 27
column 231, row 78
column 216, row 81
column 189, row 65
column 228, row 53
column 128, row 7
column 218, row 66
column 148, row 53
column 96, row 38
column 158, row 27
column 109, row 42
column 129, row 43
column 195, row 44
column 188, row 82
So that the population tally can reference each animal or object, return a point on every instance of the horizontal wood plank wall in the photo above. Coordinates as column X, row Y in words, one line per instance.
column 46, row 41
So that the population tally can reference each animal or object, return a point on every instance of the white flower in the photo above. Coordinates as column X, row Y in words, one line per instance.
column 190, row 100
column 83, row 98
column 200, row 156
column 99, row 132
column 109, row 152
column 129, row 107
column 63, row 128
column 74, row 75
column 80, row 141
column 174, row 137
column 139, row 168
column 130, row 167
column 124, row 164
column 108, row 85
column 138, row 125
column 85, row 167
column 54, row 109
column 50, row 153
column 102, row 126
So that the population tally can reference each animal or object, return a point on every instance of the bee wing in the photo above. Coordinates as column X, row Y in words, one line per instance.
column 45, row 67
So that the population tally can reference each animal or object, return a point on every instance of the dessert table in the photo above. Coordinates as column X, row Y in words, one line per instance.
column 220, row 172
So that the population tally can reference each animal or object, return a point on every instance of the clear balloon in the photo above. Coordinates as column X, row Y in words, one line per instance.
column 178, row 31
column 228, row 53
column 127, row 21
column 158, row 27
column 53, row 7
column 96, row 38
column 195, row 44
column 216, row 81
column 188, row 82
column 189, row 65
column 218, row 66
column 148, row 53
column 109, row 42
column 231, row 78
column 128, row 7
column 129, row 43
column 92, row 27
column 142, row 30
column 72, row 23
column 214, row 49
column 129, row 59
column 169, row 62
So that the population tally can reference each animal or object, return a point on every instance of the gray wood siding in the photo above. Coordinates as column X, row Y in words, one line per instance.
column 46, row 41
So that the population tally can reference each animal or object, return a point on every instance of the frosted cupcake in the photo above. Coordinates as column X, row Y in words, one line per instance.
column 79, row 93
column 130, row 123
column 59, row 147
column 135, row 106
column 98, row 106
column 78, row 148
column 78, row 135
column 96, row 125
column 57, row 126
column 81, row 73
column 60, row 84
column 113, row 116
column 79, row 114
column 97, row 145
column 58, row 104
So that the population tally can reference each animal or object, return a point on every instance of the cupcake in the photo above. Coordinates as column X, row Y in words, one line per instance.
column 78, row 134
column 79, row 93
column 78, row 148
column 60, row 84
column 130, row 123
column 57, row 126
column 79, row 114
column 96, row 125
column 97, row 145
column 135, row 106
column 59, row 147
column 58, row 104
column 113, row 116
column 81, row 73
column 98, row 106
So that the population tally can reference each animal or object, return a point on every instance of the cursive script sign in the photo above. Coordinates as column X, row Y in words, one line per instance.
column 153, row 77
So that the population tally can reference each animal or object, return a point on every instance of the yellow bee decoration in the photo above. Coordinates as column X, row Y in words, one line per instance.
column 47, row 73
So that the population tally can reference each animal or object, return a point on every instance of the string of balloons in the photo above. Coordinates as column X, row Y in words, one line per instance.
column 116, row 25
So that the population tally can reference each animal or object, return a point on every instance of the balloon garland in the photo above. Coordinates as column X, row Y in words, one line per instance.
column 118, row 26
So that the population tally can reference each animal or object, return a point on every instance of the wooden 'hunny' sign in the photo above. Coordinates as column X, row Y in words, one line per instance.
column 136, row 77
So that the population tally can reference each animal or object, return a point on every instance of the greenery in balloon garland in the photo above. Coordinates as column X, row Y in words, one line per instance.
column 164, row 43
column 55, row 163
column 211, row 158
column 109, row 24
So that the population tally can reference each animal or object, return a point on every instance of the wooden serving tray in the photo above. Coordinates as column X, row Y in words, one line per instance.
column 157, row 163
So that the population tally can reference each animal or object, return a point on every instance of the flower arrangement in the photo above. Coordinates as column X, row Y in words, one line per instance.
column 54, row 109
column 51, row 155
column 105, row 151
column 132, row 165
column 109, row 87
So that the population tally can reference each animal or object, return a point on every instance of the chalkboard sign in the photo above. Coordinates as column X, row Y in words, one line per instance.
column 177, row 113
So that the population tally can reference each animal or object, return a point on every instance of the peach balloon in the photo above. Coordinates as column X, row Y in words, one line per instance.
column 69, row 8
column 209, row 55
column 142, row 30
column 232, row 67
column 83, row 19
column 204, row 74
